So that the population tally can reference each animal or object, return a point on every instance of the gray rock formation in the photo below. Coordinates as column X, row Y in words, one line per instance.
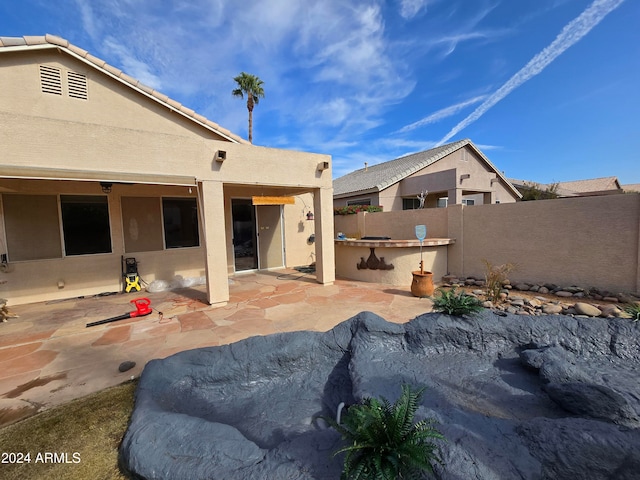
column 530, row 397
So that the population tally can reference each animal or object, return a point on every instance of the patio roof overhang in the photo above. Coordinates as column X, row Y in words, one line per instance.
column 44, row 173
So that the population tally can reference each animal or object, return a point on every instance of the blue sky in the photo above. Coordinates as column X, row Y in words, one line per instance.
column 548, row 89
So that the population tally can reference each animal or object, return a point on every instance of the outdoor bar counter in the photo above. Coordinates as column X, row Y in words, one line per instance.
column 383, row 260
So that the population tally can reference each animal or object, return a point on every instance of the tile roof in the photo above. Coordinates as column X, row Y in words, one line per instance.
column 631, row 187
column 383, row 175
column 576, row 188
column 591, row 185
column 10, row 44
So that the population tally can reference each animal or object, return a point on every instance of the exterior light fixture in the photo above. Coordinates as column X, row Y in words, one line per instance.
column 106, row 187
column 221, row 156
column 309, row 215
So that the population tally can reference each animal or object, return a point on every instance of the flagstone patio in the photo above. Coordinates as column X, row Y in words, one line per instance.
column 48, row 356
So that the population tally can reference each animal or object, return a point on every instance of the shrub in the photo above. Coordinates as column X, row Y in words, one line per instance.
column 633, row 309
column 458, row 304
column 353, row 209
column 534, row 191
column 384, row 441
column 495, row 276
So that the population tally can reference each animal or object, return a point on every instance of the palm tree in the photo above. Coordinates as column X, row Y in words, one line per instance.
column 251, row 86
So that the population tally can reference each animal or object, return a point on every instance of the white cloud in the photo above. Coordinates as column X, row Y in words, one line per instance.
column 442, row 113
column 410, row 8
column 570, row 34
column 132, row 66
column 309, row 54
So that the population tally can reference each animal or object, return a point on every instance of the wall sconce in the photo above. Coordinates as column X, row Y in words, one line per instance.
column 221, row 156
column 310, row 215
column 106, row 187
column 323, row 166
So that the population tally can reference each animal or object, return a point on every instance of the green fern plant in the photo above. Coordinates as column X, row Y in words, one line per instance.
column 384, row 442
column 454, row 303
column 633, row 309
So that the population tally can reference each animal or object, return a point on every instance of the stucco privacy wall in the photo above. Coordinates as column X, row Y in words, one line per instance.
column 399, row 225
column 587, row 241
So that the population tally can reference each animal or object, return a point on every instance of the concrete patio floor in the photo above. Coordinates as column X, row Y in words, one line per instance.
column 48, row 356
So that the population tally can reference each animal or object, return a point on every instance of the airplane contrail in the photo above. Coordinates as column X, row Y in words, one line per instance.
column 570, row 34
column 442, row 113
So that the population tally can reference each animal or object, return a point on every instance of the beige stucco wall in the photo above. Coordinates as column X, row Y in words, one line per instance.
column 401, row 225
column 588, row 241
column 121, row 130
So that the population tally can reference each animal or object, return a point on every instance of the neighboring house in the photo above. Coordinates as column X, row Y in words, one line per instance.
column 631, row 187
column 456, row 173
column 577, row 188
column 96, row 167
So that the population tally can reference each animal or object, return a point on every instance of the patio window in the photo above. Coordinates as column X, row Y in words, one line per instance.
column 85, row 224
column 153, row 223
column 443, row 202
column 410, row 203
column 362, row 201
column 33, row 224
column 180, row 216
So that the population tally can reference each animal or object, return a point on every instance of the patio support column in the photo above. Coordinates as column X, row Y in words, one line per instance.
column 455, row 196
column 212, row 213
column 325, row 248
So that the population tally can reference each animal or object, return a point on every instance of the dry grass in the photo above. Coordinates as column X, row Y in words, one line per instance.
column 92, row 426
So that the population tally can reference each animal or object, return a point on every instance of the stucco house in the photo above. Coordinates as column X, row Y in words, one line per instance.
column 96, row 167
column 455, row 173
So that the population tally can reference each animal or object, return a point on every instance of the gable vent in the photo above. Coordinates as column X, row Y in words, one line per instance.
column 77, row 85
column 50, row 80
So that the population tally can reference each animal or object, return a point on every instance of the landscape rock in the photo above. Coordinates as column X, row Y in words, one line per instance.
column 552, row 309
column 610, row 310
column 582, row 308
column 126, row 366
column 563, row 293
column 546, row 397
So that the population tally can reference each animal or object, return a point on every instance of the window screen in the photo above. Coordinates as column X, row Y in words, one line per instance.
column 142, row 224
column 32, row 227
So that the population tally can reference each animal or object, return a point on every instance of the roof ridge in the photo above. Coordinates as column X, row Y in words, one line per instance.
column 54, row 40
